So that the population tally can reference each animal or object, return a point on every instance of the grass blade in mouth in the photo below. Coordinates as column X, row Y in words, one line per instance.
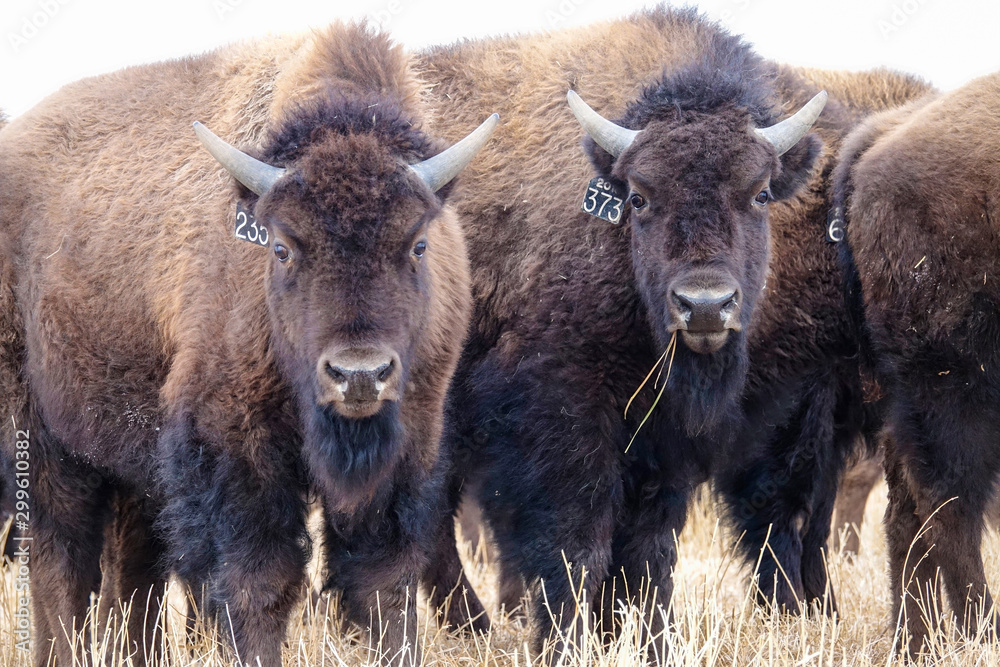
column 671, row 348
column 659, row 362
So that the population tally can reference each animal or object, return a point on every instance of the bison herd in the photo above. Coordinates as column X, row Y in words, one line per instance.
column 205, row 333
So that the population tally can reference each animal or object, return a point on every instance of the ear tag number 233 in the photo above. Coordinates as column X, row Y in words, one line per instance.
column 247, row 228
column 603, row 200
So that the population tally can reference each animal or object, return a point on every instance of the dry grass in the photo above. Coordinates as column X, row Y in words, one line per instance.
column 716, row 622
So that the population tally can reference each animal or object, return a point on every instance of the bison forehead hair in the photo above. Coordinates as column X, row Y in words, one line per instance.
column 734, row 76
column 350, row 154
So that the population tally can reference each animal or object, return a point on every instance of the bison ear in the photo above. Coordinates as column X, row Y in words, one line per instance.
column 603, row 161
column 796, row 166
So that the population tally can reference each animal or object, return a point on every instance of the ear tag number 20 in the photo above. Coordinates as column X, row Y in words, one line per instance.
column 247, row 228
column 603, row 200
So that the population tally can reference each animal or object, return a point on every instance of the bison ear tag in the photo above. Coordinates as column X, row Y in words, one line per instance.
column 604, row 200
column 247, row 228
column 835, row 225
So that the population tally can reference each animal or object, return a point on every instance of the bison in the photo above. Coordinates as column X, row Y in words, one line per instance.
column 920, row 187
column 721, row 238
column 206, row 344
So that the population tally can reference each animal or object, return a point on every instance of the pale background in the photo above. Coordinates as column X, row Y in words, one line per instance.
column 47, row 43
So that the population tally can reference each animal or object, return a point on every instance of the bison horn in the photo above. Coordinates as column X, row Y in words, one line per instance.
column 787, row 133
column 256, row 175
column 612, row 138
column 444, row 166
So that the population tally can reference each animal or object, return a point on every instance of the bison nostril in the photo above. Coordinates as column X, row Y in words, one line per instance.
column 683, row 305
column 384, row 371
column 337, row 374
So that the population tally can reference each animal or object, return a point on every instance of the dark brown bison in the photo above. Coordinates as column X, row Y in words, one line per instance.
column 921, row 188
column 571, row 312
column 209, row 381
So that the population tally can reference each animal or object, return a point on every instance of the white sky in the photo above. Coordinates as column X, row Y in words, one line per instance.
column 47, row 43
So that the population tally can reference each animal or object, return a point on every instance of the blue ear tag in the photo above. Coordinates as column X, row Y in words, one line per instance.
column 604, row 200
column 247, row 228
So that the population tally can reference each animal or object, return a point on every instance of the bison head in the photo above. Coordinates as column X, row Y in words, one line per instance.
column 350, row 214
column 698, row 174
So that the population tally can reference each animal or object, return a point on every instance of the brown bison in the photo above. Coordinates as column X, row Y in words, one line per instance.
column 571, row 312
column 211, row 381
column 921, row 188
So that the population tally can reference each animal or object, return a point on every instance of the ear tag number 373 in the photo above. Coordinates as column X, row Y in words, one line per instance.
column 247, row 228
column 603, row 200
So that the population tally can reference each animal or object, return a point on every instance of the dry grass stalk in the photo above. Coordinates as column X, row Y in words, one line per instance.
column 716, row 622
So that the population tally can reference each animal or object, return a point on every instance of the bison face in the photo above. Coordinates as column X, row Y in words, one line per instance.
column 349, row 295
column 349, row 288
column 699, row 186
column 698, row 199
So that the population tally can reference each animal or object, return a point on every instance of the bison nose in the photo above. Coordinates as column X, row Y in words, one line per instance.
column 706, row 310
column 359, row 376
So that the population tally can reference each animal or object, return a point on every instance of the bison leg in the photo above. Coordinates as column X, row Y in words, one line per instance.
column 645, row 553
column 261, row 572
column 770, row 525
column 134, row 581
column 916, row 592
column 69, row 510
column 949, row 472
column 444, row 581
column 815, row 579
column 782, row 500
column 510, row 581
column 512, row 590
column 237, row 533
column 375, row 558
column 447, row 586
column 849, row 510
column 562, row 541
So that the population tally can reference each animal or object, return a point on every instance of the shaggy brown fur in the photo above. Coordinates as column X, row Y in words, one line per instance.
column 921, row 187
column 852, row 498
column 557, row 321
column 7, row 347
column 159, row 360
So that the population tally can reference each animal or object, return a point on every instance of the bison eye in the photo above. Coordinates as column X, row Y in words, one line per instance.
column 281, row 252
column 762, row 197
column 419, row 248
column 637, row 201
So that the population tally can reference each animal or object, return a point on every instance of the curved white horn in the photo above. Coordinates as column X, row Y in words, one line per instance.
column 609, row 136
column 788, row 132
column 256, row 175
column 438, row 170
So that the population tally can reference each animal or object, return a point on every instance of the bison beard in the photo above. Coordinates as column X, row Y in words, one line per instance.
column 704, row 390
column 349, row 458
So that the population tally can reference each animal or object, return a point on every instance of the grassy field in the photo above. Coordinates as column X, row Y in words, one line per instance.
column 716, row 621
